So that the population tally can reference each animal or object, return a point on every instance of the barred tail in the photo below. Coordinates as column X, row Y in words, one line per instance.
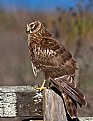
column 70, row 105
column 71, row 94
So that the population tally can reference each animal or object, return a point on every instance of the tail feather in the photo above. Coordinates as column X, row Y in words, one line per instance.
column 64, row 85
column 70, row 105
column 75, row 93
column 71, row 94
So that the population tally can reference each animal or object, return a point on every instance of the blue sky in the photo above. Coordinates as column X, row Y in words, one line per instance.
column 38, row 4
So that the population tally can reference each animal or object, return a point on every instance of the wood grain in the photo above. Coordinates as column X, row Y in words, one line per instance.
column 53, row 107
column 20, row 101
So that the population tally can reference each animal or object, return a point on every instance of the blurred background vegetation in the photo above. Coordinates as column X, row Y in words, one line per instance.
column 72, row 26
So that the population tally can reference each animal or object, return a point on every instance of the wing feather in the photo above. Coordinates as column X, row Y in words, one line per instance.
column 50, row 54
column 64, row 85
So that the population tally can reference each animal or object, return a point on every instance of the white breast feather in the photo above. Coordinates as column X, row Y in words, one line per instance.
column 35, row 70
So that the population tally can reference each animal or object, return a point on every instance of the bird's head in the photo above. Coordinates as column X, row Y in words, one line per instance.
column 33, row 27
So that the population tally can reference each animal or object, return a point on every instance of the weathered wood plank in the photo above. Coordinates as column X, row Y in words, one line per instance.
column 20, row 101
column 21, row 119
column 18, row 119
column 17, row 89
column 86, row 118
column 54, row 109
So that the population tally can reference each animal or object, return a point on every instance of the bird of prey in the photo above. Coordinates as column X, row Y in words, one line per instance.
column 50, row 56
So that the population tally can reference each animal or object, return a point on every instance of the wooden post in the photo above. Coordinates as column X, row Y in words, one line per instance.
column 53, row 107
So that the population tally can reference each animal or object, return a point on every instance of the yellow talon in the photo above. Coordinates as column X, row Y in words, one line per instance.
column 42, row 86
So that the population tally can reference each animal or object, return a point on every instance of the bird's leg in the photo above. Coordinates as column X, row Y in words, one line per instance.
column 42, row 86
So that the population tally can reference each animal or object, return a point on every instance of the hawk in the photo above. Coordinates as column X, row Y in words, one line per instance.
column 50, row 56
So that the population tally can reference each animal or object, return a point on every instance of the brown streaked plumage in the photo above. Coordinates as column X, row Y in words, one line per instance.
column 57, row 64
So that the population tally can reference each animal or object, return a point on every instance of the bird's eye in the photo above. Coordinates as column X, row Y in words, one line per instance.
column 31, row 25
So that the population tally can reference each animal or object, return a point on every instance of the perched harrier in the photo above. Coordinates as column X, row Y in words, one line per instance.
column 57, row 64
